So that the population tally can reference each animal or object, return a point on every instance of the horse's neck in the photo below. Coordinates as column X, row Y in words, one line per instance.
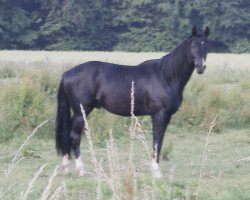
column 178, row 67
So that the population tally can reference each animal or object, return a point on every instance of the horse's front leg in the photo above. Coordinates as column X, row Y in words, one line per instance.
column 160, row 121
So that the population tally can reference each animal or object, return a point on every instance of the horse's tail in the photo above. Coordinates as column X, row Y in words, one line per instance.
column 63, row 122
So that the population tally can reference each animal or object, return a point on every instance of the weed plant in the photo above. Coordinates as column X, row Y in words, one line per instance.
column 113, row 179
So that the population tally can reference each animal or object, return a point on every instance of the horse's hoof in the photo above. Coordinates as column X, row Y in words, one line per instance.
column 155, row 169
column 79, row 166
column 81, row 172
column 65, row 164
column 157, row 174
column 65, row 170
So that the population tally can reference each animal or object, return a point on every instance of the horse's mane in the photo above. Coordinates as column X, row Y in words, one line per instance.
column 172, row 62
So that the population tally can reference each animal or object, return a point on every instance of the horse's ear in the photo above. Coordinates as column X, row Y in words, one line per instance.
column 194, row 30
column 206, row 32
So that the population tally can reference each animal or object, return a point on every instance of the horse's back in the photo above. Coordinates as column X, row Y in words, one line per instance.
column 108, row 85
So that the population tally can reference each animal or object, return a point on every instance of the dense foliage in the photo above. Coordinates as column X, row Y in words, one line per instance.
column 129, row 25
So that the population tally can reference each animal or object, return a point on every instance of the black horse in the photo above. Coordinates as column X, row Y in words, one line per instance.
column 158, row 84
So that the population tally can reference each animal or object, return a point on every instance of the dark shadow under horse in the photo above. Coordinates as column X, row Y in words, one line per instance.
column 158, row 84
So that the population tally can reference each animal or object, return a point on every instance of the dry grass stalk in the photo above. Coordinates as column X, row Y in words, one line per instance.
column 217, row 186
column 47, row 191
column 141, row 137
column 146, row 189
column 205, row 154
column 129, row 181
column 16, row 158
column 25, row 195
column 61, row 191
column 132, row 128
column 98, row 168
column 64, row 190
column 187, row 193
column 244, row 159
column 170, row 184
column 112, row 156
column 56, row 194
column 146, row 192
column 12, row 166
column 113, row 166
column 112, row 169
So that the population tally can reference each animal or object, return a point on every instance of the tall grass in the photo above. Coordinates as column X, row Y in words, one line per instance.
column 26, row 98
column 205, row 156
column 16, row 160
column 123, row 180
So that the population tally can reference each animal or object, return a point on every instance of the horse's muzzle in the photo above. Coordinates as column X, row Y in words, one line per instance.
column 200, row 66
column 200, row 70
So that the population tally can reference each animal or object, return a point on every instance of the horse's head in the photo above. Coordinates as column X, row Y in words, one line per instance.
column 199, row 49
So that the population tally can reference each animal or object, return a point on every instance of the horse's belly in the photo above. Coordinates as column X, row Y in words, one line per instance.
column 122, row 107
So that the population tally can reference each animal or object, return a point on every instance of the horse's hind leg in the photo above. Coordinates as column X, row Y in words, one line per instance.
column 75, row 136
column 65, row 163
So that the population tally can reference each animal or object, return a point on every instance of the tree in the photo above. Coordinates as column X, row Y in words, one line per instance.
column 229, row 23
column 76, row 25
column 19, row 22
column 127, row 25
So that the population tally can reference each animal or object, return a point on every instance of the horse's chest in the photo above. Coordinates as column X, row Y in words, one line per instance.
column 166, row 101
column 175, row 105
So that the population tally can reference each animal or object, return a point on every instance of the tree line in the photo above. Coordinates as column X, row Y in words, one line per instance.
column 126, row 25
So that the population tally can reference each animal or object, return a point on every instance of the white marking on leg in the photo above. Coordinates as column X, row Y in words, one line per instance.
column 79, row 166
column 203, row 62
column 155, row 151
column 155, row 169
column 65, row 163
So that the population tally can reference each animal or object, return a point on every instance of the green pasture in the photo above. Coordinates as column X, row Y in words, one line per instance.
column 195, row 165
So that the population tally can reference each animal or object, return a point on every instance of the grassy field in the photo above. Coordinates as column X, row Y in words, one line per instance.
column 196, row 163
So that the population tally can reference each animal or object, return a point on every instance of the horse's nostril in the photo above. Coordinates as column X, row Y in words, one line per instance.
column 200, row 71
